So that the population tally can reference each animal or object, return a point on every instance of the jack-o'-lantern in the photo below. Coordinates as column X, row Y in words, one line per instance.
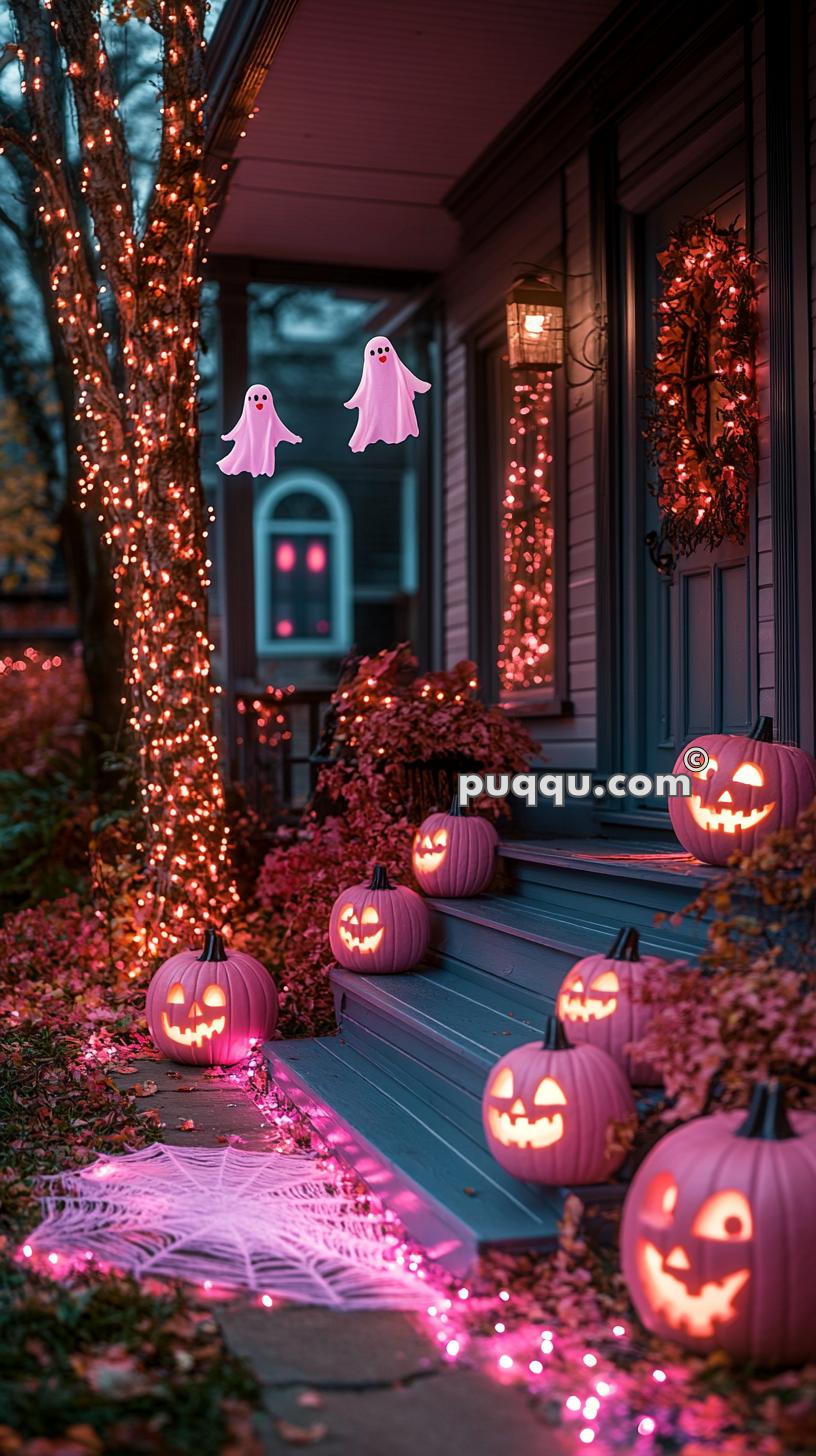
column 454, row 854
column 715, row 1225
column 547, row 1106
column 749, row 787
column 207, row 1008
column 597, row 1002
column 379, row 927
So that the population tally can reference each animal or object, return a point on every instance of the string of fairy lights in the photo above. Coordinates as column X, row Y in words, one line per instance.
column 525, row 652
column 127, row 306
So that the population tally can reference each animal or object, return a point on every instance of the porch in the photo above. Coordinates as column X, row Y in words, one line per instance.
column 458, row 148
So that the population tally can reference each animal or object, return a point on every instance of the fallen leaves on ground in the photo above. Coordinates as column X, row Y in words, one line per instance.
column 295, row 1435
column 91, row 1363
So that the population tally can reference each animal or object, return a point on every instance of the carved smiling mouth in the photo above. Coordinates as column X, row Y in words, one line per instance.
column 724, row 818
column 699, row 1313
column 521, row 1133
column 193, row 1036
column 360, row 942
column 577, row 1008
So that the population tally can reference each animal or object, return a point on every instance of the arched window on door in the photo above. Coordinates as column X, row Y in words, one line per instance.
column 303, row 587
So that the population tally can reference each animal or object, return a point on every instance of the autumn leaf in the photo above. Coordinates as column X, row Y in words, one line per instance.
column 185, row 1124
column 301, row 1435
column 143, row 1089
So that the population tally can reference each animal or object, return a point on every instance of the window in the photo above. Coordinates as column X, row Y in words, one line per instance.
column 526, row 647
column 302, row 567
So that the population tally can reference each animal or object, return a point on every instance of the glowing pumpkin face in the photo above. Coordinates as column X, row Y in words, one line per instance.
column 671, row 1278
column 379, row 927
column 208, row 1008
column 363, row 932
column 748, row 788
column 430, row 849
column 710, row 1230
column 515, row 1126
column 546, row 1108
column 194, row 1029
column 454, row 854
column 584, row 997
column 599, row 1002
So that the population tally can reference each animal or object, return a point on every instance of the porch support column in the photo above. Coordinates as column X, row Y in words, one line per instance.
column 235, row 515
column 790, row 373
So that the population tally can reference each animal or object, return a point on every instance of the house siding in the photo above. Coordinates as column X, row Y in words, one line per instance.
column 673, row 134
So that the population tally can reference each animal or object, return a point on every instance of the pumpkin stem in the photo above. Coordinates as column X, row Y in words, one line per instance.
column 762, row 730
column 555, row 1037
column 214, row 948
column 626, row 945
column 455, row 808
column 379, row 879
column 767, row 1115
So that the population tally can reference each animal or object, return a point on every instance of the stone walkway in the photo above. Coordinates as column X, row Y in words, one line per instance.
column 359, row 1384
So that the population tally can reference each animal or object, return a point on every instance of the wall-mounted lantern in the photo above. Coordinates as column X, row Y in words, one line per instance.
column 535, row 324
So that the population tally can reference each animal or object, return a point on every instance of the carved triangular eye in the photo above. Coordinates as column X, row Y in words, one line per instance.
column 710, row 768
column 750, row 773
column 502, row 1083
column 607, row 981
column 660, row 1200
column 549, row 1094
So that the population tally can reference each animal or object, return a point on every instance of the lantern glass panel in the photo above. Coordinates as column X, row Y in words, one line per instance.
column 535, row 327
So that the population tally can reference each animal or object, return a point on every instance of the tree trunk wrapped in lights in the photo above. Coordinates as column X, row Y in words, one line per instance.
column 127, row 302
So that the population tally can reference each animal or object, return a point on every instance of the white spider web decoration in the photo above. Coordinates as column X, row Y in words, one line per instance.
column 269, row 1222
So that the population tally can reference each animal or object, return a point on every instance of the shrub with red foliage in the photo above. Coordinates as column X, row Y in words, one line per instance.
column 396, row 740
column 748, row 1010
column 41, row 703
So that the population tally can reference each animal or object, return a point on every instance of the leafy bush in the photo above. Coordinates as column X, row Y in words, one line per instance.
column 41, row 703
column 394, row 742
column 749, row 1009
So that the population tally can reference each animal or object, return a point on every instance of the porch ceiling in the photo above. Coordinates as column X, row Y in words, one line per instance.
column 371, row 110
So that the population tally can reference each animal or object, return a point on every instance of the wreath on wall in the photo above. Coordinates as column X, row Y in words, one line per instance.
column 702, row 427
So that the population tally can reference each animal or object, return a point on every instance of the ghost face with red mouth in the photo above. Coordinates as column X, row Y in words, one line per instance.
column 256, row 435
column 384, row 397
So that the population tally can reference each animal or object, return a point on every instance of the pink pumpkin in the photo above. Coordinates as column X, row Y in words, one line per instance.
column 206, row 1008
column 547, row 1106
column 596, row 1002
column 454, row 854
column 379, row 928
column 717, row 1234
column 749, row 787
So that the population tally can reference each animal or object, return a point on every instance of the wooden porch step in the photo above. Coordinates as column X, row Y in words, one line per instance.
column 456, row 1022
column 436, row 1175
column 596, row 884
column 398, row 1091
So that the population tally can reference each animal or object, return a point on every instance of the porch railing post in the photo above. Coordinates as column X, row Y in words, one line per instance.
column 235, row 516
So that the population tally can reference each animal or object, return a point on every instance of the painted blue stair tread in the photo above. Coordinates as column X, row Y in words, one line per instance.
column 442, row 1182
column 480, row 1018
column 671, row 865
column 575, row 935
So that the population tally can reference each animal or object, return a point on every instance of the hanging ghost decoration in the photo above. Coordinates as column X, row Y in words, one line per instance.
column 256, row 435
column 384, row 397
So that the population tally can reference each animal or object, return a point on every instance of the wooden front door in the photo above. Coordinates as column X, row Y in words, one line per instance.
column 687, row 640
